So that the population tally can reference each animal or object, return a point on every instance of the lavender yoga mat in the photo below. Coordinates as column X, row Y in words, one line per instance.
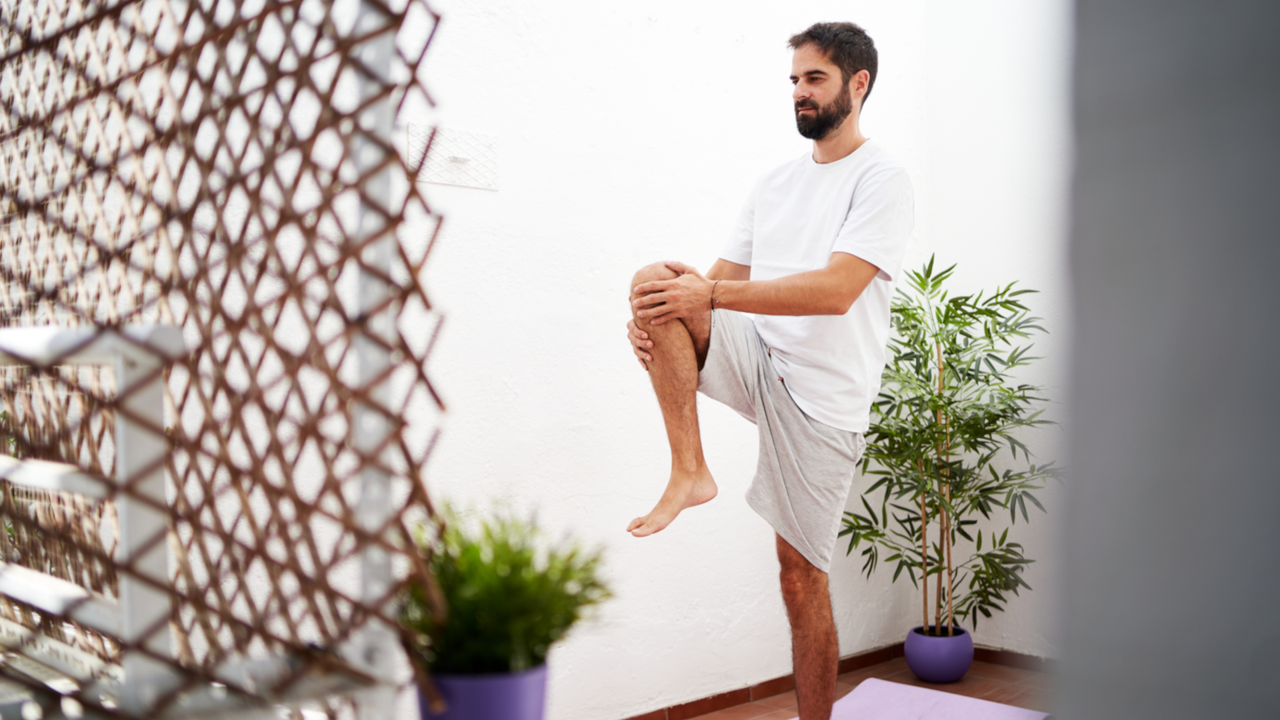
column 883, row 700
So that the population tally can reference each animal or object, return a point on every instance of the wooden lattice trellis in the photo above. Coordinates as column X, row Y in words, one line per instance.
column 226, row 168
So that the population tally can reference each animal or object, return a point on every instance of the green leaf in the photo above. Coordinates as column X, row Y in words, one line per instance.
column 1033, row 499
column 510, row 596
column 872, row 513
column 958, row 432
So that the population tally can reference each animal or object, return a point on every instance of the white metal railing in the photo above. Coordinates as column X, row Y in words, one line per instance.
column 141, row 617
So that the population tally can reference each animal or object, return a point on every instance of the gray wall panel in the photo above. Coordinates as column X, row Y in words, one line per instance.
column 1173, row 539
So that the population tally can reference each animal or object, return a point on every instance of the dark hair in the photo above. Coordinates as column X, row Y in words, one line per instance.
column 848, row 46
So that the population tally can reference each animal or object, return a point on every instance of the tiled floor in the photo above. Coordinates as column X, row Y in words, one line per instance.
column 997, row 683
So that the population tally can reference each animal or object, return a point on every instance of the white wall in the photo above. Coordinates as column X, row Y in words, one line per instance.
column 629, row 133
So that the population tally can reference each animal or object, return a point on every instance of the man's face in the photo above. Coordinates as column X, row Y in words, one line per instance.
column 822, row 98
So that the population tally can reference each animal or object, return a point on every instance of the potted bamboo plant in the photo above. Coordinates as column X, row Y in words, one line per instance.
column 507, row 596
column 947, row 409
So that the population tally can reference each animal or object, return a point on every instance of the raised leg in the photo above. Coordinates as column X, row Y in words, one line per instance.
column 679, row 348
column 815, row 650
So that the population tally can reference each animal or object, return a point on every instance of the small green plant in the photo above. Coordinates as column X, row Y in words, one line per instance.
column 508, row 596
column 946, row 409
column 10, row 447
column 7, row 438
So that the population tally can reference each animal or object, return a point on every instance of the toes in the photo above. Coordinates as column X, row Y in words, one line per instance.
column 641, row 527
column 648, row 527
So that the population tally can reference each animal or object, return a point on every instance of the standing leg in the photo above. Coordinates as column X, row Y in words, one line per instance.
column 815, row 651
column 679, row 348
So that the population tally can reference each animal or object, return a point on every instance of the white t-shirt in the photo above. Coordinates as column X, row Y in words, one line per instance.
column 795, row 218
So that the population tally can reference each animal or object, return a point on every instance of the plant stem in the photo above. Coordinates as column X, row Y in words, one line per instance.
column 951, row 620
column 937, row 605
column 944, row 454
column 924, row 553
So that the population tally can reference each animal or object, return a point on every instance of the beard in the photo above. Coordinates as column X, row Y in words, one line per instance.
column 824, row 119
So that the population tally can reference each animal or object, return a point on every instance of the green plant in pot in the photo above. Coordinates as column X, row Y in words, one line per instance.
column 947, row 410
column 508, row 596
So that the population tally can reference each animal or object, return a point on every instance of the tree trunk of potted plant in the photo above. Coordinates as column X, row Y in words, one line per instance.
column 924, row 551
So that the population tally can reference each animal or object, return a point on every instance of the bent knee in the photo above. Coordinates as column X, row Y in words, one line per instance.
column 650, row 273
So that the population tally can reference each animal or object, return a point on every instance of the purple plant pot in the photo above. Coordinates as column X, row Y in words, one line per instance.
column 939, row 659
column 502, row 696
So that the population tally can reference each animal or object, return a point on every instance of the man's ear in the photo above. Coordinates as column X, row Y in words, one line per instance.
column 858, row 84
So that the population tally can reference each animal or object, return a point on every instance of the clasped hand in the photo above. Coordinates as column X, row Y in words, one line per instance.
column 661, row 301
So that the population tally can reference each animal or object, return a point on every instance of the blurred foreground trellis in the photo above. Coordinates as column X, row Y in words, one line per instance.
column 213, row 335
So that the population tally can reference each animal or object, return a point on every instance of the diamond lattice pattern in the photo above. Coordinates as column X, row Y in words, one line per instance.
column 224, row 167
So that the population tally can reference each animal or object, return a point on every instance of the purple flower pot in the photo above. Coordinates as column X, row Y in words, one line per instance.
column 939, row 659
column 502, row 696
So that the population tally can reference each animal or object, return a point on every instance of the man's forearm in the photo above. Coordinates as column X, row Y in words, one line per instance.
column 827, row 291
column 831, row 290
column 801, row 294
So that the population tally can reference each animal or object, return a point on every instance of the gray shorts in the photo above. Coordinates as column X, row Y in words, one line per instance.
column 806, row 468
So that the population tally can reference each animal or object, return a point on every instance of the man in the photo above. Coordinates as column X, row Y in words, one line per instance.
column 812, row 260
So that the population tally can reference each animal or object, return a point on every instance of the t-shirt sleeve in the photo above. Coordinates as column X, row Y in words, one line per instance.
column 880, row 222
column 738, row 249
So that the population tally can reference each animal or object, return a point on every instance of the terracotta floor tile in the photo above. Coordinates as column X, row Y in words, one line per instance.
column 970, row 685
column 888, row 668
column 988, row 681
column 704, row 706
column 883, row 670
column 749, row 711
column 898, row 676
column 1020, row 696
column 772, row 687
column 781, row 701
column 779, row 715
column 1002, row 672
column 906, row 677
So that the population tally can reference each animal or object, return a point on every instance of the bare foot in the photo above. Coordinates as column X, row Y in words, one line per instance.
column 684, row 490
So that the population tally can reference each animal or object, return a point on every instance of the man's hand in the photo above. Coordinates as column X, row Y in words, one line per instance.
column 639, row 343
column 661, row 301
